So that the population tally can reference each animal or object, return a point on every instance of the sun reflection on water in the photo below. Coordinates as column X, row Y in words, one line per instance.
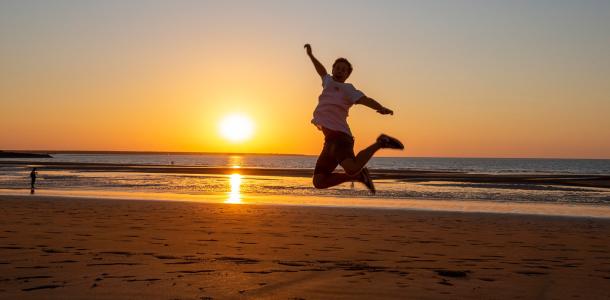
column 235, row 161
column 234, row 195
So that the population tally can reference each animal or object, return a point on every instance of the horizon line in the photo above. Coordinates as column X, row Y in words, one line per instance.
column 262, row 154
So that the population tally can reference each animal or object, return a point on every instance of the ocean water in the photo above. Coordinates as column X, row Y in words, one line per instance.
column 473, row 165
column 15, row 178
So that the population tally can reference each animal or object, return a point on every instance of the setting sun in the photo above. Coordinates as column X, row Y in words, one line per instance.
column 236, row 128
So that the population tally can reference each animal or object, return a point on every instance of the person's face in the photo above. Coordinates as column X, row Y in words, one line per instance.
column 341, row 71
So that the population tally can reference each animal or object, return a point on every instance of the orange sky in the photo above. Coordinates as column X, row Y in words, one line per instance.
column 495, row 80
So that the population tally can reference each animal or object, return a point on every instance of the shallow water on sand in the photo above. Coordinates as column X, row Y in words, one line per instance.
column 208, row 184
column 167, row 177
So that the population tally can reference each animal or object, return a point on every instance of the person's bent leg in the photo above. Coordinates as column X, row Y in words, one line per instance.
column 352, row 166
column 323, row 181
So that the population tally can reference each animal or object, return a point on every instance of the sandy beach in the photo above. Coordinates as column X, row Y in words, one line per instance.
column 74, row 248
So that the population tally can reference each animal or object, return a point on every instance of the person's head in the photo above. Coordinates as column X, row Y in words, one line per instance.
column 342, row 68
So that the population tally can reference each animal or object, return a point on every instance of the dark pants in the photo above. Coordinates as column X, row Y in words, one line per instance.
column 338, row 146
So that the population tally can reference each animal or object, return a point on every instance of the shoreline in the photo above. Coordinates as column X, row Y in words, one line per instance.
column 427, row 205
column 574, row 180
column 57, row 248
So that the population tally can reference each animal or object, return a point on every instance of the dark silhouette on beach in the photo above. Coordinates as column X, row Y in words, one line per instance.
column 33, row 180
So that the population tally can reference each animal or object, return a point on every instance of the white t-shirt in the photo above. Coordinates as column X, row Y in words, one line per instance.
column 334, row 103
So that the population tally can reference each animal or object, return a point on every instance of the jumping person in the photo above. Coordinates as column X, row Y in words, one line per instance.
column 330, row 116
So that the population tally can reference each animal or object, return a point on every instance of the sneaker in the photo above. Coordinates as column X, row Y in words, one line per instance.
column 386, row 141
column 365, row 178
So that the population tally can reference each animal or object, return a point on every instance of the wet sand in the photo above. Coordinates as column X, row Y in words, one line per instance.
column 74, row 248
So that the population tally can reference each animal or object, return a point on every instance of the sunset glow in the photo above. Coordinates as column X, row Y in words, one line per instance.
column 463, row 80
column 236, row 128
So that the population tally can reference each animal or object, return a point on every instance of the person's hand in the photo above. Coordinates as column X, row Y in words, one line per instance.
column 385, row 111
column 308, row 49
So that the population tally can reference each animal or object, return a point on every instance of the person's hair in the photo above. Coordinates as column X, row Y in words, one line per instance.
column 344, row 60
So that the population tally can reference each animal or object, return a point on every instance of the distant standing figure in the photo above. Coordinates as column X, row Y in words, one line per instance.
column 33, row 177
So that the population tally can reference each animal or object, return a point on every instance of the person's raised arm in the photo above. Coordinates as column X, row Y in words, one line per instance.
column 319, row 67
column 372, row 103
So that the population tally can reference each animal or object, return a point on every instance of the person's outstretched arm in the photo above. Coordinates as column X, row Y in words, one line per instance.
column 370, row 102
column 319, row 67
